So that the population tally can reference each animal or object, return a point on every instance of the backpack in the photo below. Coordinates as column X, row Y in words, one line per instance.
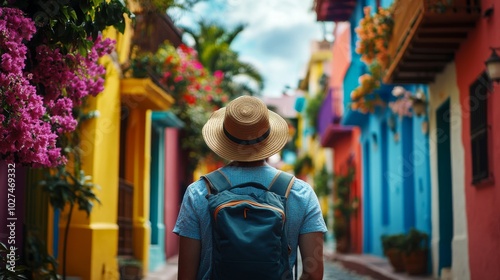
column 249, row 231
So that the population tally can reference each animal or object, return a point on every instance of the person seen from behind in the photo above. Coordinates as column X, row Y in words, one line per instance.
column 246, row 133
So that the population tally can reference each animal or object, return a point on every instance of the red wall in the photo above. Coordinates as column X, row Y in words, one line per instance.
column 348, row 150
column 172, row 193
column 482, row 202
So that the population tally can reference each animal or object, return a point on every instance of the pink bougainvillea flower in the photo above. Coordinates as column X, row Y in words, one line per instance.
column 37, row 107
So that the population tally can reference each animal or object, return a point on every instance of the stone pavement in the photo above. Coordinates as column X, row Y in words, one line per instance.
column 337, row 266
column 166, row 272
column 375, row 267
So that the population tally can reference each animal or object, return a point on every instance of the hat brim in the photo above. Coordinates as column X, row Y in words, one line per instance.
column 219, row 143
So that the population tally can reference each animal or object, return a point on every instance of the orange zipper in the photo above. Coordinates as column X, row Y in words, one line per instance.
column 236, row 202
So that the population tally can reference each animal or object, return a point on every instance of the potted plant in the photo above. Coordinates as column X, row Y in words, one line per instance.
column 392, row 245
column 415, row 252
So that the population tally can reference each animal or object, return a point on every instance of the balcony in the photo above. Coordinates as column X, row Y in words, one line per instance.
column 426, row 35
column 334, row 10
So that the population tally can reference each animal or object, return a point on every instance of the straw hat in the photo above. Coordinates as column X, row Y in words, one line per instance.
column 245, row 130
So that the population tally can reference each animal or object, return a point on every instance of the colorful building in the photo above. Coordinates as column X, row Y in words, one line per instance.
column 445, row 47
column 313, row 87
column 342, row 140
column 480, row 137
column 131, row 151
column 394, row 160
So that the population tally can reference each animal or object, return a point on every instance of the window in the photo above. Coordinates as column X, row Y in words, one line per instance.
column 478, row 101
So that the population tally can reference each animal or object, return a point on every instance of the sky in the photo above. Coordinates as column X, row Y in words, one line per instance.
column 276, row 40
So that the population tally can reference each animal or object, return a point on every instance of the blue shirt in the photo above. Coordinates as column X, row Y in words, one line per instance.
column 303, row 211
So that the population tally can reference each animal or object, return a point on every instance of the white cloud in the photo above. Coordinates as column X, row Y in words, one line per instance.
column 277, row 37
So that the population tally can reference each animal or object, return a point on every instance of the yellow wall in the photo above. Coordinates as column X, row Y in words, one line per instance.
column 92, row 241
column 307, row 144
column 100, row 144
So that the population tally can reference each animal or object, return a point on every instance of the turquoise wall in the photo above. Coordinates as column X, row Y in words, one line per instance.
column 395, row 154
column 156, row 212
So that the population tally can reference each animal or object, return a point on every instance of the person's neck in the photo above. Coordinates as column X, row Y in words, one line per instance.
column 248, row 163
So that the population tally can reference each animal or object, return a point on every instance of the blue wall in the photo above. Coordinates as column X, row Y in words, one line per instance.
column 396, row 176
column 157, row 197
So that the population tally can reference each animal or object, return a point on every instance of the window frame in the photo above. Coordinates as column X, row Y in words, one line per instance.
column 479, row 130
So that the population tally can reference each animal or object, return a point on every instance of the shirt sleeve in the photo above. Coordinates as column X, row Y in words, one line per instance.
column 313, row 218
column 187, row 224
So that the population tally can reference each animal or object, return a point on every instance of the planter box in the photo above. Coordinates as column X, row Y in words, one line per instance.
column 415, row 262
column 395, row 257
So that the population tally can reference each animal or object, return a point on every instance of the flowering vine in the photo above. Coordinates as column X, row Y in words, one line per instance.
column 48, row 68
column 197, row 92
column 41, row 86
column 374, row 33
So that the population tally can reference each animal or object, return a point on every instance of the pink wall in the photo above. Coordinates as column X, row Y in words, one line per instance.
column 341, row 53
column 483, row 216
column 172, row 187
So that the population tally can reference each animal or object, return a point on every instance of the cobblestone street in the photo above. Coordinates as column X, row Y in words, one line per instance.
column 334, row 271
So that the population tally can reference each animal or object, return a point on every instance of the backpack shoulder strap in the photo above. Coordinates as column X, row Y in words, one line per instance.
column 217, row 181
column 282, row 183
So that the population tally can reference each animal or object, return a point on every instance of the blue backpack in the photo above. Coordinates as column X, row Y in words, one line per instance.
column 249, row 231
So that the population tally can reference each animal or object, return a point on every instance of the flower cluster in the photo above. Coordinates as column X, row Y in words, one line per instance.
column 364, row 98
column 182, row 75
column 197, row 92
column 374, row 33
column 406, row 104
column 37, row 102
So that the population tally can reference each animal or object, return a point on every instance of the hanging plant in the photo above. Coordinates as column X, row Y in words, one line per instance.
column 407, row 104
column 374, row 34
column 313, row 105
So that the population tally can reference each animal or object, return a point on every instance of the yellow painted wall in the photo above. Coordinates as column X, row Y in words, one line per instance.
column 100, row 144
column 307, row 143
column 92, row 241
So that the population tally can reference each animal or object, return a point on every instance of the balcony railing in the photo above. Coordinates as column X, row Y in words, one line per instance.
column 426, row 35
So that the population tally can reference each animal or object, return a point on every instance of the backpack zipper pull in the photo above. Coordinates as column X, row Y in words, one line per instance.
column 245, row 212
